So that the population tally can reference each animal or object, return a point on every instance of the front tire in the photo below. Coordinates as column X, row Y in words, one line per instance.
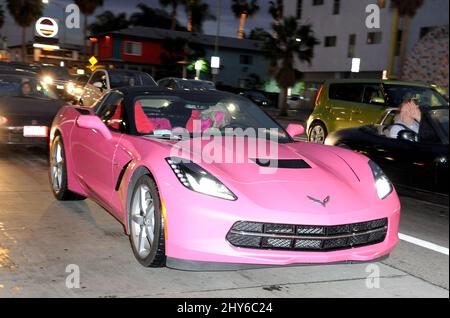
column 147, row 224
column 58, row 173
column 318, row 133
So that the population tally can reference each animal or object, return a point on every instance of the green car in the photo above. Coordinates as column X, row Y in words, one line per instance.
column 344, row 104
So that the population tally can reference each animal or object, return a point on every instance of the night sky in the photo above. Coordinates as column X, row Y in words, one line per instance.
column 229, row 23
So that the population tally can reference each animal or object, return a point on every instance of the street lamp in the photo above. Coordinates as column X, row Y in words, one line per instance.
column 198, row 68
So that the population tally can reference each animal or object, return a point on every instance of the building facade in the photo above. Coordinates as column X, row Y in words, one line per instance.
column 340, row 26
column 141, row 48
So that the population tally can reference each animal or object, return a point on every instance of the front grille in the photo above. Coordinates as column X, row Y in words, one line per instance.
column 307, row 237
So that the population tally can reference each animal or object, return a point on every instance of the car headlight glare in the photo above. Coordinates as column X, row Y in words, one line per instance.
column 382, row 183
column 199, row 180
column 3, row 120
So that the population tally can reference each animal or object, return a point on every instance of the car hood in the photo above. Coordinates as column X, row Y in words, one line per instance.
column 319, row 172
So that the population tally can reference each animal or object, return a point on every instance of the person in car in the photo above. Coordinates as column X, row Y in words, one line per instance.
column 408, row 118
column 26, row 89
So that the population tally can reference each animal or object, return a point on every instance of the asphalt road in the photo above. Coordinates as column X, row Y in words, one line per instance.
column 40, row 237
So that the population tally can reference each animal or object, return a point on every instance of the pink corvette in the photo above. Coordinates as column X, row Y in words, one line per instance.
column 196, row 190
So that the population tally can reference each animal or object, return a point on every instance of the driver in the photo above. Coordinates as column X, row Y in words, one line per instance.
column 26, row 89
column 408, row 118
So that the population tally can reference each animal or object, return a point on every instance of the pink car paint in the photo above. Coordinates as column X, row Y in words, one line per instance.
column 197, row 225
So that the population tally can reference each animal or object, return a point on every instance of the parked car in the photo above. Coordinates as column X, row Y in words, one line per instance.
column 258, row 98
column 410, row 161
column 133, row 154
column 344, row 104
column 104, row 80
column 186, row 84
column 27, row 108
column 294, row 102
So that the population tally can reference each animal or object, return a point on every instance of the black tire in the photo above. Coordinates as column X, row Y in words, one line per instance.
column 157, row 254
column 62, row 192
column 312, row 137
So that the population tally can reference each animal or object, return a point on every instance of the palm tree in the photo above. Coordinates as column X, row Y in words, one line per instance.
column 149, row 17
column 174, row 4
column 276, row 10
column 198, row 13
column 87, row 7
column 406, row 10
column 24, row 13
column 108, row 21
column 293, row 42
column 2, row 16
column 244, row 9
column 258, row 34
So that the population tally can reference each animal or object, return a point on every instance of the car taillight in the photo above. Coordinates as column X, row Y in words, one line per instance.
column 3, row 120
column 319, row 95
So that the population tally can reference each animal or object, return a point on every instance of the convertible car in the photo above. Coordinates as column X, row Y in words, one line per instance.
column 415, row 163
column 146, row 155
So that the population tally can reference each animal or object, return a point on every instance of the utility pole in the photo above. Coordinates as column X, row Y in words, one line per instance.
column 216, row 46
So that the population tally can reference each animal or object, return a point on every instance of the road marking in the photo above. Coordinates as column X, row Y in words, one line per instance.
column 424, row 244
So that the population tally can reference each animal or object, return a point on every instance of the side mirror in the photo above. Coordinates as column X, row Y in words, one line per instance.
column 294, row 130
column 95, row 123
column 378, row 101
column 407, row 135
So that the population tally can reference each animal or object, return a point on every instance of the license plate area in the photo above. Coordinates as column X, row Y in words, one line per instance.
column 35, row 131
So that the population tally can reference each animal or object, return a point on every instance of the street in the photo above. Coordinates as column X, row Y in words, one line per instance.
column 40, row 237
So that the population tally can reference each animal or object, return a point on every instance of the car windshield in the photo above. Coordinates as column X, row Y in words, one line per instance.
column 441, row 117
column 129, row 78
column 398, row 94
column 199, row 85
column 24, row 86
column 174, row 116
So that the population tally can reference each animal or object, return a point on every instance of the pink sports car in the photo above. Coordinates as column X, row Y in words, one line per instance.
column 208, row 181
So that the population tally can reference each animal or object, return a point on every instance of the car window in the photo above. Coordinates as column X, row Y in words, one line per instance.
column 99, row 77
column 119, row 78
column 111, row 112
column 346, row 92
column 425, row 96
column 18, row 85
column 371, row 92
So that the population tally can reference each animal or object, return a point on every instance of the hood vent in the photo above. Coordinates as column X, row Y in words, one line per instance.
column 283, row 163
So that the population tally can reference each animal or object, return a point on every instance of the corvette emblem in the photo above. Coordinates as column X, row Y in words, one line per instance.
column 322, row 203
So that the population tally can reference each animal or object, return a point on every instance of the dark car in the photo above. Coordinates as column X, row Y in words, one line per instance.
column 413, row 162
column 258, row 98
column 27, row 108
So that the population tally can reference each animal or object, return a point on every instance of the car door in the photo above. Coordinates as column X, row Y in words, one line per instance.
column 371, row 108
column 406, row 163
column 93, row 155
column 95, row 88
column 343, row 98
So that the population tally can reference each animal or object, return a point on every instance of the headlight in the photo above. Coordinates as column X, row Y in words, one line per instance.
column 70, row 87
column 3, row 120
column 47, row 80
column 197, row 179
column 382, row 184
